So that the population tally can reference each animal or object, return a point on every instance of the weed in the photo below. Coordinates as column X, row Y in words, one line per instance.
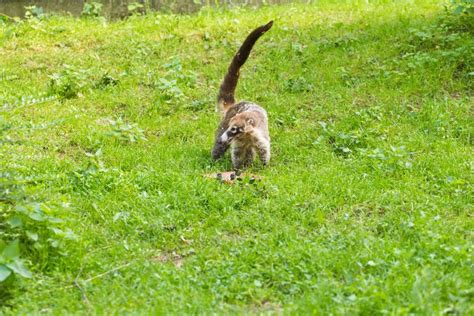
column 34, row 12
column 135, row 7
column 92, row 9
column 107, row 80
column 69, row 82
column 298, row 85
column 126, row 132
column 29, row 221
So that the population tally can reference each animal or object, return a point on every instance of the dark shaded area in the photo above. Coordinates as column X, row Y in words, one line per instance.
column 118, row 8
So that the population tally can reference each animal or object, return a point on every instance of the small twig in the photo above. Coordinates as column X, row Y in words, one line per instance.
column 6, row 16
column 83, row 292
column 76, row 280
column 95, row 250
column 107, row 272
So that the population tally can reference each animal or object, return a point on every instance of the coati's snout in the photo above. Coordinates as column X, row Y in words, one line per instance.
column 231, row 133
column 239, row 126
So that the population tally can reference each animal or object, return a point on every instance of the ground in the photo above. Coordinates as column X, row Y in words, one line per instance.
column 365, row 207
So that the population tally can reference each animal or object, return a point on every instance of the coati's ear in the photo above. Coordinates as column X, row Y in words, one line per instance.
column 250, row 122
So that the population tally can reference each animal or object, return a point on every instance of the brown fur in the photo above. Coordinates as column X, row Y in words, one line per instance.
column 244, row 125
column 226, row 98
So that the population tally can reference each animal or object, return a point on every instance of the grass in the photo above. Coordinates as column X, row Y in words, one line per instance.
column 366, row 206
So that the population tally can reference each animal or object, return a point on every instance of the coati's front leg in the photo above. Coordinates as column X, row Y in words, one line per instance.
column 242, row 157
column 220, row 147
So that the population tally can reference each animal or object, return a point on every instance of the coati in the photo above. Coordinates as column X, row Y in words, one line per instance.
column 244, row 125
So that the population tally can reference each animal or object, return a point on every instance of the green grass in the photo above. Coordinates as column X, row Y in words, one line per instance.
column 366, row 206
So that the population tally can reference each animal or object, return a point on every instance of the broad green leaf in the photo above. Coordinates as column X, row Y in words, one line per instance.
column 15, row 222
column 36, row 216
column 55, row 220
column 18, row 267
column 54, row 243
column 459, row 9
column 32, row 235
column 57, row 231
column 4, row 273
column 11, row 251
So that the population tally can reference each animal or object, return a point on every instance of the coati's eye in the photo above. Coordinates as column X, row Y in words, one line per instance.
column 233, row 129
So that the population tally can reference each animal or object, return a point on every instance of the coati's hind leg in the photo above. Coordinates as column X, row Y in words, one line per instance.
column 263, row 149
column 242, row 157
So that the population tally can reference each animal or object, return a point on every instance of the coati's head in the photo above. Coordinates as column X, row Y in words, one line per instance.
column 239, row 126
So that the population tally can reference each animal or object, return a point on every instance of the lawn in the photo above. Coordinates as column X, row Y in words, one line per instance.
column 366, row 207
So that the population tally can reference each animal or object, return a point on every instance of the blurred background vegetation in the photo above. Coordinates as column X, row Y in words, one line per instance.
column 122, row 8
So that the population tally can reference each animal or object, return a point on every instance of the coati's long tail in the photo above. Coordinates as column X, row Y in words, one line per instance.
column 227, row 89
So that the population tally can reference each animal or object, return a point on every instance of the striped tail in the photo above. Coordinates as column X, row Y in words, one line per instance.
column 228, row 85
